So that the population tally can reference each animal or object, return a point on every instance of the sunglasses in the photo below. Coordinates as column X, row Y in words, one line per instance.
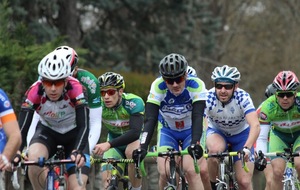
column 226, row 86
column 288, row 94
column 177, row 80
column 50, row 83
column 110, row 92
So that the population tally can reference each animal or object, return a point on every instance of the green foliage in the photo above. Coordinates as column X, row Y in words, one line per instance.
column 19, row 56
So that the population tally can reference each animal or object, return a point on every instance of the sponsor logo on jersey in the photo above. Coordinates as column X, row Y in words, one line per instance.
column 263, row 116
column 130, row 104
column 90, row 82
column 6, row 104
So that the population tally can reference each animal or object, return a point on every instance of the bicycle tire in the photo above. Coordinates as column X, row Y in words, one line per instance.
column 170, row 187
column 287, row 185
column 221, row 186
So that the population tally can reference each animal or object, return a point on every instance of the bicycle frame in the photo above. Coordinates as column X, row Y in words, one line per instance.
column 115, row 177
column 171, row 154
column 290, row 176
column 226, row 178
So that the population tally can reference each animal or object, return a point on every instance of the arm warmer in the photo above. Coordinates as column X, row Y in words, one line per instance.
column 32, row 128
column 151, row 118
column 25, row 118
column 262, row 140
column 95, row 126
column 82, row 122
column 197, row 121
column 135, row 123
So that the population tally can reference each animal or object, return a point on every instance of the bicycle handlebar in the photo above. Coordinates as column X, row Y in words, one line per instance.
column 224, row 154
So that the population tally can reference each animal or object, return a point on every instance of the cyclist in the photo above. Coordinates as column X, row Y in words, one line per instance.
column 10, row 136
column 64, row 114
column 176, row 102
column 281, row 114
column 231, row 120
column 263, row 136
column 191, row 71
column 91, row 85
column 123, row 116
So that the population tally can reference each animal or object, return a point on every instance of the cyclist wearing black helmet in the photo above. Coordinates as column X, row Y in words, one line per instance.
column 176, row 102
column 123, row 116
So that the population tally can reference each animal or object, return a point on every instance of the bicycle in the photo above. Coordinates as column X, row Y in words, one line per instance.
column 56, row 175
column 290, row 176
column 226, row 178
column 116, row 176
column 174, row 168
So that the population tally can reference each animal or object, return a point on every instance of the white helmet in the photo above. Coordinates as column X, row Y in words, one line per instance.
column 70, row 54
column 191, row 71
column 54, row 66
column 226, row 74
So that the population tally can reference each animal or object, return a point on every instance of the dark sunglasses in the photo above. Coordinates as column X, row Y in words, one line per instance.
column 110, row 92
column 50, row 83
column 177, row 80
column 288, row 94
column 226, row 86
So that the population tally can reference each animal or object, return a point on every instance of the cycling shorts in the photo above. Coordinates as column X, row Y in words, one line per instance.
column 51, row 139
column 237, row 141
column 117, row 153
column 280, row 140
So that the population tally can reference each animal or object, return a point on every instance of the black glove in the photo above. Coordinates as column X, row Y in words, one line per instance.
column 197, row 149
column 17, row 160
column 139, row 154
column 260, row 162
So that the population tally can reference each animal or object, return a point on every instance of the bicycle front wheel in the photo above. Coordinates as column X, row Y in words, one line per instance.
column 288, row 186
column 221, row 186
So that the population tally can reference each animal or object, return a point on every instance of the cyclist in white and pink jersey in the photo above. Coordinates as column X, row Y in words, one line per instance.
column 64, row 119
column 10, row 136
column 232, row 119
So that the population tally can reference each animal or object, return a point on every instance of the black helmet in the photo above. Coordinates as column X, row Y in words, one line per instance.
column 173, row 66
column 270, row 90
column 111, row 79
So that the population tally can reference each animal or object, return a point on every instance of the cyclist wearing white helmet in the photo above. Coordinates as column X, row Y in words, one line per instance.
column 191, row 71
column 231, row 120
column 176, row 102
column 91, row 84
column 63, row 109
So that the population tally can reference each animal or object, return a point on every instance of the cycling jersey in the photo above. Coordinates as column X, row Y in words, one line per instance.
column 175, row 112
column 230, row 118
column 282, row 121
column 6, row 114
column 59, row 116
column 285, row 125
column 117, row 120
column 91, row 83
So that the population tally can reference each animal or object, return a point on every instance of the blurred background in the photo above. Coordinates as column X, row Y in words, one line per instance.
column 260, row 38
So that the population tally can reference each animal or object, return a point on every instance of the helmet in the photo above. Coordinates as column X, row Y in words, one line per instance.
column 54, row 66
column 173, row 66
column 270, row 90
column 70, row 54
column 191, row 71
column 286, row 80
column 226, row 74
column 111, row 79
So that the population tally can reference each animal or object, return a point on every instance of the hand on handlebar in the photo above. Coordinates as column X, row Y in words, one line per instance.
column 195, row 150
column 260, row 162
column 139, row 155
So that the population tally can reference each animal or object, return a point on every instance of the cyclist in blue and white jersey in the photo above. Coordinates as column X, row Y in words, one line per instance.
column 10, row 135
column 176, row 102
column 232, row 119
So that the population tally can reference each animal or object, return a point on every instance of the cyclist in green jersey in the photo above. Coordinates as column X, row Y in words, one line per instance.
column 281, row 113
column 123, row 116
column 262, row 164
